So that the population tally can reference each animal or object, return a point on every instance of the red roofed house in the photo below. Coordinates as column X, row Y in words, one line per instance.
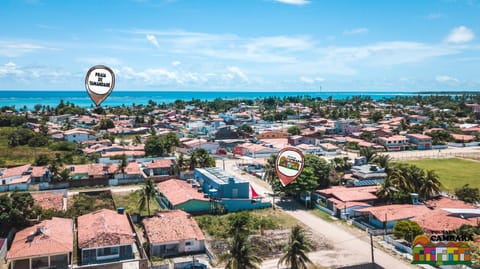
column 105, row 236
column 422, row 141
column 131, row 173
column 342, row 201
column 48, row 244
column 158, row 168
column 173, row 233
column 15, row 178
column 393, row 143
column 179, row 194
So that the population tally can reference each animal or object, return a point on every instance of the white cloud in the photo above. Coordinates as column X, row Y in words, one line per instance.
column 460, row 35
column 356, row 31
column 16, row 49
column 293, row 2
column 153, row 40
column 446, row 79
column 310, row 80
column 236, row 71
column 176, row 63
column 10, row 69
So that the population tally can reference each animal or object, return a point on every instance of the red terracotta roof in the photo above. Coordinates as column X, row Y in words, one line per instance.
column 179, row 191
column 15, row 171
column 48, row 200
column 19, row 180
column 175, row 225
column 164, row 163
column 440, row 220
column 396, row 212
column 56, row 236
column 104, row 228
column 351, row 194
column 38, row 171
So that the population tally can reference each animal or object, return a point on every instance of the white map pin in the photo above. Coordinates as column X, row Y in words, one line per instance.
column 99, row 83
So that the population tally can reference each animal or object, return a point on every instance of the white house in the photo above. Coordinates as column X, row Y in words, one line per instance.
column 79, row 135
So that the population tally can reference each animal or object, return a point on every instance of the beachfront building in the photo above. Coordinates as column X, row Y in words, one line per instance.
column 48, row 244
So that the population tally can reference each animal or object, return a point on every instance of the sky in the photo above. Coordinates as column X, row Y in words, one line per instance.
column 242, row 45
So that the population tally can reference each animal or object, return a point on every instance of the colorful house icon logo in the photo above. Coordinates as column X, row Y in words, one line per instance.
column 440, row 253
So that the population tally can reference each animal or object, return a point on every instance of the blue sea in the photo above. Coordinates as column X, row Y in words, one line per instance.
column 28, row 99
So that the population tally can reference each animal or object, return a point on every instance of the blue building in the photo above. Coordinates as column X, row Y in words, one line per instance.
column 233, row 193
column 220, row 184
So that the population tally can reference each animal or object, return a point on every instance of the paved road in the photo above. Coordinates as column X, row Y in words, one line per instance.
column 349, row 248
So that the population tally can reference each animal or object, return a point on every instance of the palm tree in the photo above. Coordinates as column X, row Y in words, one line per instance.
column 369, row 153
column 148, row 192
column 270, row 173
column 241, row 254
column 299, row 244
column 383, row 161
column 123, row 164
column 431, row 185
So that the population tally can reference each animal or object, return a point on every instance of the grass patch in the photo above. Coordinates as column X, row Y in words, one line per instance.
column 267, row 219
column 130, row 202
column 87, row 202
column 323, row 215
column 453, row 173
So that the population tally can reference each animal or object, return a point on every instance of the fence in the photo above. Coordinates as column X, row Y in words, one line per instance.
column 432, row 154
column 399, row 246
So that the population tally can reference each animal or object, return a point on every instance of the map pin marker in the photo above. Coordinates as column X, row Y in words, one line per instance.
column 99, row 83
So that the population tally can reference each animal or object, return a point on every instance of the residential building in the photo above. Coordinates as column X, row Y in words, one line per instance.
column 272, row 134
column 346, row 127
column 393, row 143
column 254, row 150
column 342, row 201
column 48, row 244
column 366, row 175
column 15, row 178
column 173, row 233
column 105, row 236
column 232, row 193
column 158, row 168
column 420, row 140
column 225, row 185
column 180, row 194
column 79, row 135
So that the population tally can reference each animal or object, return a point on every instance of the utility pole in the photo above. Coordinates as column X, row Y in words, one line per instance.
column 371, row 247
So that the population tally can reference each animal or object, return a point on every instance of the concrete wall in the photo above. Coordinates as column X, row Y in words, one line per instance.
column 232, row 205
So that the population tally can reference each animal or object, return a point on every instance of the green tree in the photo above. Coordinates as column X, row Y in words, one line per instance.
column 245, row 128
column 239, row 223
column 369, row 153
column 148, row 193
column 376, row 116
column 320, row 168
column 240, row 254
column 106, row 124
column 64, row 175
column 299, row 244
column 430, row 185
column 201, row 158
column 407, row 229
column 154, row 146
column 41, row 160
column 294, row 130
column 468, row 194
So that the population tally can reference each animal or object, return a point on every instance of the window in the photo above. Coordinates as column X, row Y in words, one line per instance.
column 107, row 253
column 188, row 243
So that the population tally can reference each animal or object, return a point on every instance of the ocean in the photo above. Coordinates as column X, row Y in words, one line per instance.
column 28, row 99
